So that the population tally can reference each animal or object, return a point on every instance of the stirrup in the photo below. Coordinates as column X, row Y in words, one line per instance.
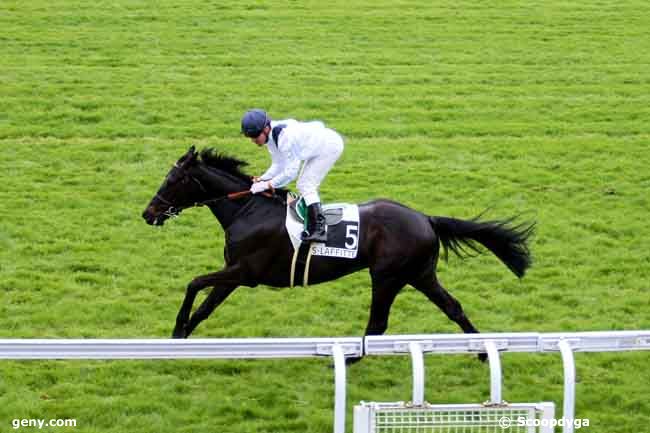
column 315, row 237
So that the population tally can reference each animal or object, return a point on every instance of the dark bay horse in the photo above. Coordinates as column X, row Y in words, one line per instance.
column 399, row 245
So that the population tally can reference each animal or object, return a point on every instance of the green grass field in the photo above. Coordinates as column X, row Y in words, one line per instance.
column 533, row 108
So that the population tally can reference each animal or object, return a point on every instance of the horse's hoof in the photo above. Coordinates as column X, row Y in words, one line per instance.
column 482, row 357
column 352, row 360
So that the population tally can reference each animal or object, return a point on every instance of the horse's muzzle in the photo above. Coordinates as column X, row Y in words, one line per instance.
column 154, row 218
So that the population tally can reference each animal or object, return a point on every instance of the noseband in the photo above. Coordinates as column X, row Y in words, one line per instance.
column 174, row 211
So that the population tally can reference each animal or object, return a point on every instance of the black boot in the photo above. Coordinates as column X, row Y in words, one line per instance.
column 316, row 226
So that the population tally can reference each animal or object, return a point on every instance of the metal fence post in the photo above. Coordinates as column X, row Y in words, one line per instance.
column 495, row 372
column 339, row 388
column 569, row 366
column 417, row 362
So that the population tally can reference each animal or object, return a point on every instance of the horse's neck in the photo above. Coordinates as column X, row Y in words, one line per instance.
column 219, row 186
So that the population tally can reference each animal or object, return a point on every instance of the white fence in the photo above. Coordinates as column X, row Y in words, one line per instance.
column 247, row 348
column 340, row 348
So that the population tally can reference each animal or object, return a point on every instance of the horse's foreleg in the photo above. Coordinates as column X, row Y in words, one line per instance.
column 228, row 277
column 214, row 299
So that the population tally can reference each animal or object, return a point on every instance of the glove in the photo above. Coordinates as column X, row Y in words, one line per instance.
column 258, row 187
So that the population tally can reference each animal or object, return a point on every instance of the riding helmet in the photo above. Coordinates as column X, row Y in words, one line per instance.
column 253, row 122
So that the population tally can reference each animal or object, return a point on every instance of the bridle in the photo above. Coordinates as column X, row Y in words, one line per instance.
column 174, row 211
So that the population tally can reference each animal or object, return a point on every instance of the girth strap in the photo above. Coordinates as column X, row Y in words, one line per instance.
column 300, row 264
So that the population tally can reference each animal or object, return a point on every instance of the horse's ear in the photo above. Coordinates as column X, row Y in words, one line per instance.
column 193, row 154
column 189, row 157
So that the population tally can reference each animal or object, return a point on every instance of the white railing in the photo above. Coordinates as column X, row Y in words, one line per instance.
column 340, row 348
column 199, row 348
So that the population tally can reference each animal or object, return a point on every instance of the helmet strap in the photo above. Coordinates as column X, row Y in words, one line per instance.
column 267, row 135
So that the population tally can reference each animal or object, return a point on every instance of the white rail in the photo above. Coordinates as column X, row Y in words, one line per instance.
column 252, row 348
column 607, row 341
column 340, row 348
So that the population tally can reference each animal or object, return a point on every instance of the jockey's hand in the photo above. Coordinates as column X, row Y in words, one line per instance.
column 258, row 187
column 256, row 179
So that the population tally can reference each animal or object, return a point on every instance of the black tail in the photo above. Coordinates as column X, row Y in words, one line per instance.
column 507, row 241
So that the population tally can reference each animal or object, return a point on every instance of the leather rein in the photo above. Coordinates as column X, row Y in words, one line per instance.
column 173, row 211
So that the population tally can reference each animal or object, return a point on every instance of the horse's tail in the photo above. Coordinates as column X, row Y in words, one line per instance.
column 506, row 239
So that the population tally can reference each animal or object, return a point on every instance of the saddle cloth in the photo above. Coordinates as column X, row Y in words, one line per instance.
column 342, row 229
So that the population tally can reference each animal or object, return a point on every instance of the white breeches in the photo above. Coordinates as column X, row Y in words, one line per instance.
column 315, row 169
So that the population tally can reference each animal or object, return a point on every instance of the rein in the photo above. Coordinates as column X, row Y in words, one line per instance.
column 173, row 211
column 233, row 196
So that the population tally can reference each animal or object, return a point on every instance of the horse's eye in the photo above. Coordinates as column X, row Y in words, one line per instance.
column 173, row 178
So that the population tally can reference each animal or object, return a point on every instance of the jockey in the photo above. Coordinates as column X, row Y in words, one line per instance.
column 291, row 143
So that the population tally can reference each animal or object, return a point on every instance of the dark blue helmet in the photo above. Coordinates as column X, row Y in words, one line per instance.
column 254, row 122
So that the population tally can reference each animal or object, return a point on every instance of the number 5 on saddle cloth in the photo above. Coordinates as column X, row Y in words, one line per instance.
column 342, row 235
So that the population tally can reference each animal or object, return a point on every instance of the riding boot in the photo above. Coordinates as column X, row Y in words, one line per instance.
column 316, row 226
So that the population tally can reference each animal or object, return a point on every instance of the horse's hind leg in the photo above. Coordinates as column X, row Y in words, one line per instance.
column 428, row 284
column 383, row 295
column 384, row 291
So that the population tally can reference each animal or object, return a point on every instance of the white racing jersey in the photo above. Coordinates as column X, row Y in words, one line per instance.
column 297, row 142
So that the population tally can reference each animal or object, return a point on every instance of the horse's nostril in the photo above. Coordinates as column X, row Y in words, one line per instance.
column 148, row 215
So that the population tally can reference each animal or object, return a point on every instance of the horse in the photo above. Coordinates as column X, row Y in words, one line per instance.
column 397, row 244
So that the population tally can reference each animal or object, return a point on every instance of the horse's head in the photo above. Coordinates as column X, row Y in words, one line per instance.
column 178, row 191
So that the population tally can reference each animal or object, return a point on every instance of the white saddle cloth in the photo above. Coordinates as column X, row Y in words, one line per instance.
column 342, row 237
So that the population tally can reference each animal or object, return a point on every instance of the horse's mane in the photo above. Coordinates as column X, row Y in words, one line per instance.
column 211, row 158
column 219, row 161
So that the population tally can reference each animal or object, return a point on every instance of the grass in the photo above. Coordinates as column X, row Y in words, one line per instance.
column 449, row 107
